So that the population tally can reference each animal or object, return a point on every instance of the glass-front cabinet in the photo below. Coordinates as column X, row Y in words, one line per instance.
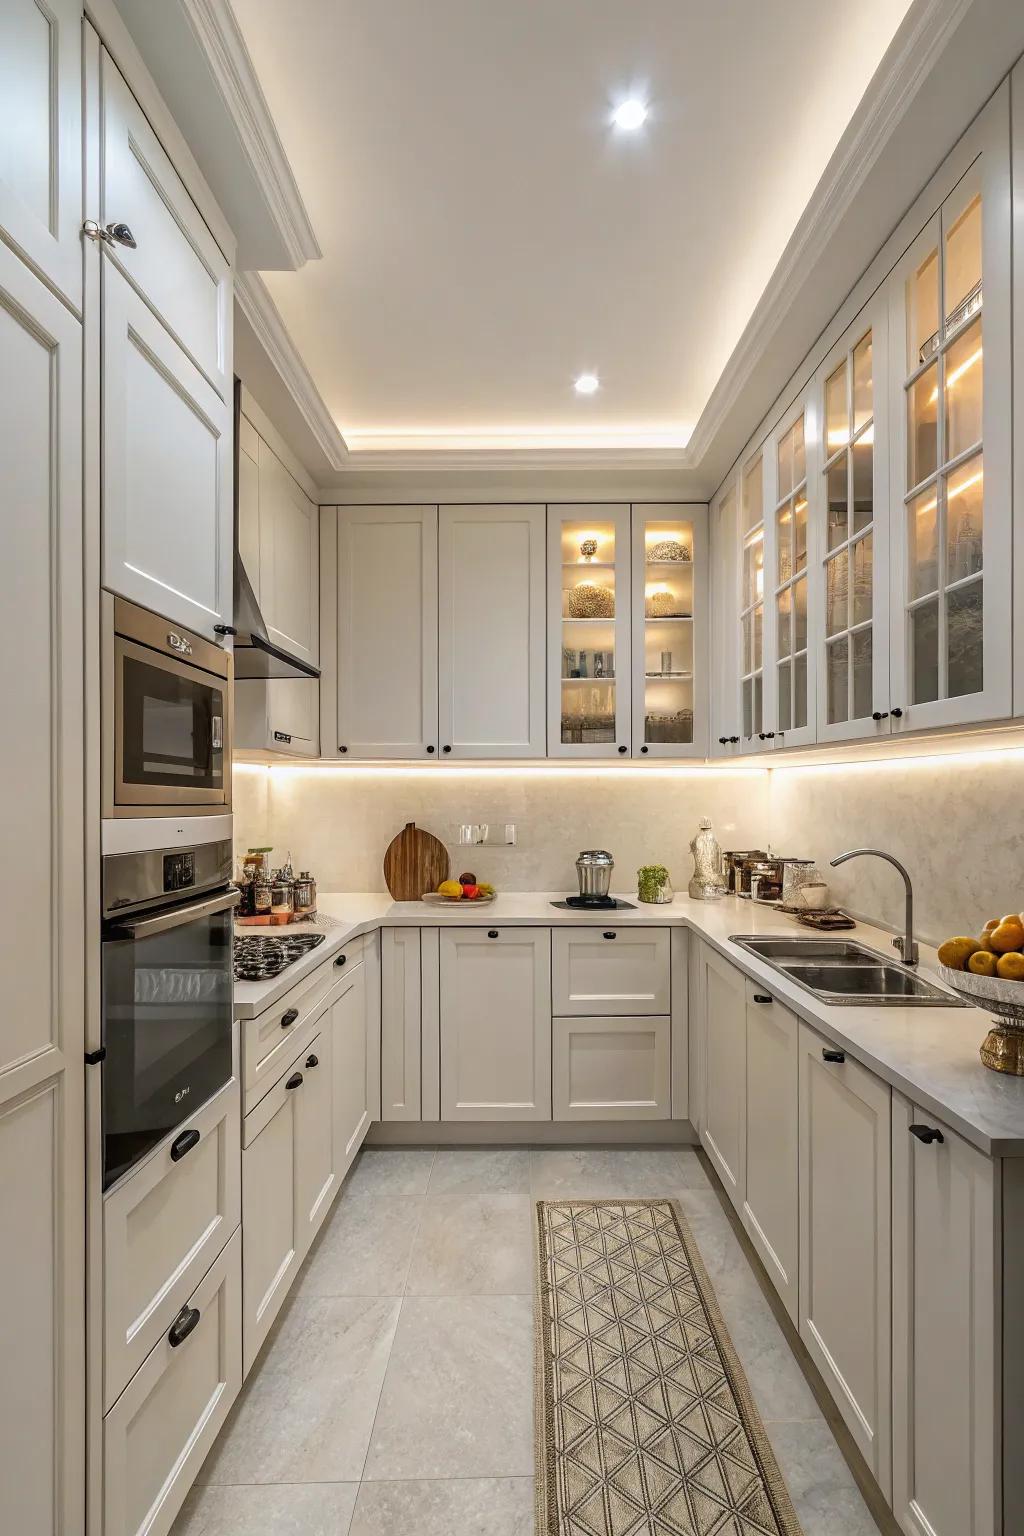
column 950, row 332
column 792, row 720
column 669, row 631
column 723, row 608
column 849, row 511
column 753, row 736
column 589, row 597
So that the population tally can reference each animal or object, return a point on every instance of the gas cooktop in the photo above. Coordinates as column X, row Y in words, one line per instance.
column 259, row 957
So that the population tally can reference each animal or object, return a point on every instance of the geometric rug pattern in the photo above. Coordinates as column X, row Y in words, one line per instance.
column 645, row 1423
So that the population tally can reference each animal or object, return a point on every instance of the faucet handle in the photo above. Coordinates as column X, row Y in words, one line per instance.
column 908, row 952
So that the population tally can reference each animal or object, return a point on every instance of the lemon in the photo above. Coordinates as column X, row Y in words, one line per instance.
column 449, row 888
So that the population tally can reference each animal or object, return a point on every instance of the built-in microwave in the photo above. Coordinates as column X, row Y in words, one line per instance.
column 167, row 717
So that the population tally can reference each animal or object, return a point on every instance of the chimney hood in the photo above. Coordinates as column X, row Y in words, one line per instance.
column 256, row 655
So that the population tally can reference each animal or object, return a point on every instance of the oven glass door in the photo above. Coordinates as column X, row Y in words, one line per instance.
column 171, row 730
column 167, row 1009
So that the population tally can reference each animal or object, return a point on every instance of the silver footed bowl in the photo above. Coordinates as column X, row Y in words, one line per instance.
column 1003, row 1046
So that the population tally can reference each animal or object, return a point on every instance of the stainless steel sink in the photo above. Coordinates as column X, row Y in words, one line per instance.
column 841, row 971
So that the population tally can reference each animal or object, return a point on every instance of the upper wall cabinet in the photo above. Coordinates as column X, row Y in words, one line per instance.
column 1017, row 98
column 754, row 678
column 491, row 631
column 41, row 138
column 950, row 328
column 588, row 631
column 670, row 631
column 788, row 554
column 724, row 637
column 166, row 369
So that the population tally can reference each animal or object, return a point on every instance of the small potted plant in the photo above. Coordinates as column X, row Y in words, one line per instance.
column 653, row 884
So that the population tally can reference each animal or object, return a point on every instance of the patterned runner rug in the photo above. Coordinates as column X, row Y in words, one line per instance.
column 645, row 1423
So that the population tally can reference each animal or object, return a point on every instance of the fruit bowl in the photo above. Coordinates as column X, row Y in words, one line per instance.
column 436, row 899
column 1003, row 1046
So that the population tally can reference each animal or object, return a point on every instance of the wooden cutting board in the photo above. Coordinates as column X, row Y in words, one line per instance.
column 416, row 862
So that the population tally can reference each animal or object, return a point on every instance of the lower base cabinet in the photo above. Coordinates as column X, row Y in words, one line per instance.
column 611, row 1069
column 723, row 1126
column 495, row 1023
column 845, row 1250
column 160, row 1429
column 771, row 1205
column 349, row 1028
column 271, row 1226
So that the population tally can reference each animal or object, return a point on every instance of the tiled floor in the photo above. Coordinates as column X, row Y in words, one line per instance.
column 395, row 1393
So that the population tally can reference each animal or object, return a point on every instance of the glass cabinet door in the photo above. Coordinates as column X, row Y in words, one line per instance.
column 950, row 333
column 850, row 514
column 588, row 631
column 670, row 680
column 753, row 737
column 788, row 537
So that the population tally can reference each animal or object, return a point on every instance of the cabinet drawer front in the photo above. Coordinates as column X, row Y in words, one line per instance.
column 626, row 972
column 314, row 1153
column 610, row 1069
column 272, row 1038
column 163, row 1227
column 159, row 1431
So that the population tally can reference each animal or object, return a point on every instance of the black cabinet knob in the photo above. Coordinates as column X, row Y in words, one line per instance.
column 341, row 959
column 622, row 750
column 446, row 749
column 762, row 997
column 734, row 739
column 828, row 1053
column 927, row 1133
column 183, row 1144
column 722, row 740
column 295, row 1081
column 608, row 934
column 879, row 714
column 312, row 1061
column 343, row 750
column 492, row 933
column 186, row 1320
column 897, row 714
column 645, row 749
column 288, row 1018
column 430, row 749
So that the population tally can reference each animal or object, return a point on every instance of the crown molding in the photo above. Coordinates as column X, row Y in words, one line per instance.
column 217, row 32
column 265, row 318
column 924, row 34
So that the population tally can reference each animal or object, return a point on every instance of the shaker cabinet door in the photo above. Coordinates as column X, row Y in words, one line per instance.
column 723, row 1133
column 495, row 1024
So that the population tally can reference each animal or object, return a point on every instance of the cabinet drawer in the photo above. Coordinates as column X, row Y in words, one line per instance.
column 272, row 1038
column 163, row 1227
column 611, row 1069
column 159, row 1431
column 611, row 970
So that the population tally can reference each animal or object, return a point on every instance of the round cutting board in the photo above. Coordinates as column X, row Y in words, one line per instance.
column 416, row 862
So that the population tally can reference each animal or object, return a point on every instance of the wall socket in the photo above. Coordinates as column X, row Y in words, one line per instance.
column 483, row 834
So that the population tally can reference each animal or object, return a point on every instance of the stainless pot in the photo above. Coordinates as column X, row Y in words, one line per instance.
column 594, row 870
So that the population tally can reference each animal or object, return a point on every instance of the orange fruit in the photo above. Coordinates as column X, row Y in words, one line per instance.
column 1010, row 967
column 956, row 952
column 993, row 922
column 983, row 963
column 1007, row 936
column 985, row 940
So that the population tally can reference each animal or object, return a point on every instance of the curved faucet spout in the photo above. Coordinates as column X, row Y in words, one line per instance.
column 905, row 944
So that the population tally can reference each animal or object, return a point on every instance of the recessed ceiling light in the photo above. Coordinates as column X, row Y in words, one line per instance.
column 587, row 384
column 630, row 114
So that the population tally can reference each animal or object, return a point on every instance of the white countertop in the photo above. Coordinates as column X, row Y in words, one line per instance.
column 929, row 1054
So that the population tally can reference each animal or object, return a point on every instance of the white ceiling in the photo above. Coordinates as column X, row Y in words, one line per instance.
column 486, row 236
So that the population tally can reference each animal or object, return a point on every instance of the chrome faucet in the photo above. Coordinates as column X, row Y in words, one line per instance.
column 905, row 944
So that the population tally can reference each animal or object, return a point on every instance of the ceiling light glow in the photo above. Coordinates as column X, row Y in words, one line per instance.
column 587, row 384
column 630, row 115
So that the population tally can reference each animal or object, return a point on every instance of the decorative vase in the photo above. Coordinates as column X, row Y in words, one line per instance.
column 708, row 880
column 653, row 886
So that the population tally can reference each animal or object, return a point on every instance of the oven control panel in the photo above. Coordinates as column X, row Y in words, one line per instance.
column 179, row 870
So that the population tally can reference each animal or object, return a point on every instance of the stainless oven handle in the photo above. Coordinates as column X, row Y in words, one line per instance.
column 160, row 922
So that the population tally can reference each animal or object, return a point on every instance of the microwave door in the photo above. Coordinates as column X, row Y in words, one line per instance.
column 171, row 741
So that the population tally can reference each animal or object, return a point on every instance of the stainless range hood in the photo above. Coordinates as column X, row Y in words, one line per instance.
column 256, row 656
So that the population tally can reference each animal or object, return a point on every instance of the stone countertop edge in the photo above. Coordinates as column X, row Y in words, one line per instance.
column 929, row 1054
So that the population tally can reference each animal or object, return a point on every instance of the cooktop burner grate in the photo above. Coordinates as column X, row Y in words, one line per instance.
column 259, row 957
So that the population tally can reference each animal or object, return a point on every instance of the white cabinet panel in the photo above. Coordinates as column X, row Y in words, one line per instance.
column 289, row 541
column 400, row 1023
column 272, row 1039
column 610, row 971
column 249, row 502
column 315, row 1183
column 771, row 1207
column 177, row 266
column 723, row 604
column 162, row 1228
column 167, row 470
column 387, row 632
column 791, row 614
column 271, row 1222
column 41, row 138
column 723, row 1130
column 946, row 1465
column 496, row 1024
column 158, row 1433
column 278, row 715
column 589, row 603
column 845, row 1264
column 611, row 1069
column 349, row 1026
column 491, row 631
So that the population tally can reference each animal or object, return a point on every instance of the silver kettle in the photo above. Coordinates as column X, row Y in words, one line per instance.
column 594, row 870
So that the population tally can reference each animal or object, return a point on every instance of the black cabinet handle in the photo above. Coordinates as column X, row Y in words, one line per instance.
column 430, row 749
column 93, row 1058
column 897, row 714
column 927, row 1133
column 295, row 1081
column 608, row 935
column 183, row 1324
column 288, row 1018
column 734, row 739
column 492, row 933
column 766, row 735
column 762, row 997
column 645, row 749
column 722, row 740
column 183, row 1143
column 446, row 749
column 340, row 960
column 312, row 1061
column 343, row 750
column 622, row 749
column 879, row 714
column 828, row 1053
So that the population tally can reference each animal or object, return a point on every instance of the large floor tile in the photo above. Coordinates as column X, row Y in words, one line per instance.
column 458, row 1395
column 597, row 1173
column 282, row 1509
column 473, row 1245
column 306, row 1413
column 724, row 1259
column 486, row 1506
column 693, row 1170
column 391, row 1171
column 480, row 1171
column 779, row 1386
column 821, row 1485
column 364, row 1247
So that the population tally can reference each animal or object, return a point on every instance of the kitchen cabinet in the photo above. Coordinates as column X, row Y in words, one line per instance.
column 315, row 1183
column 790, row 551
column 670, row 631
column 1017, row 162
column 41, row 139
column 771, row 1209
column 160, row 1430
column 42, row 947
column 946, row 1302
column 845, row 1249
column 386, row 641
column 349, row 1023
column 589, row 596
column 400, row 1004
column 611, row 1068
column 723, row 603
column 950, row 322
column 724, row 1121
column 491, row 631
column 610, row 971
column 756, row 675
column 495, row 1023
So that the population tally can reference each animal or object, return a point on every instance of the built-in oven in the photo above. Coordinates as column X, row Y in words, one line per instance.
column 167, row 717
column 166, row 994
